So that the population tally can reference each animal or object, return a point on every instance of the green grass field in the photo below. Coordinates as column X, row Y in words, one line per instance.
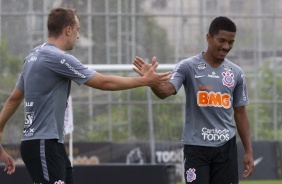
column 258, row 182
column 262, row 182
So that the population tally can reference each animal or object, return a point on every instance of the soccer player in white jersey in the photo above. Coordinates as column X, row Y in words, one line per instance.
column 45, row 84
column 215, row 88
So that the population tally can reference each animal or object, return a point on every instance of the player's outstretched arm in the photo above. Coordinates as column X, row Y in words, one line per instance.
column 162, row 90
column 113, row 83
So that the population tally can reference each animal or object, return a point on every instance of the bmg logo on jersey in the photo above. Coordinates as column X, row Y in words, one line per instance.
column 207, row 99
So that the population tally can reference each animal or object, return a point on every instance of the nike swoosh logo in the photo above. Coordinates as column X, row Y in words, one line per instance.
column 257, row 161
column 199, row 76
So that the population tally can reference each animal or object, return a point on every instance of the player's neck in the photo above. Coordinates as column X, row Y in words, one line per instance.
column 57, row 42
column 211, row 60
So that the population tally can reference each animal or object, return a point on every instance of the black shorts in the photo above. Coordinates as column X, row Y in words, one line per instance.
column 47, row 161
column 211, row 165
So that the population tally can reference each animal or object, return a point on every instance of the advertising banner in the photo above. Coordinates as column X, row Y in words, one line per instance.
column 265, row 160
column 267, row 156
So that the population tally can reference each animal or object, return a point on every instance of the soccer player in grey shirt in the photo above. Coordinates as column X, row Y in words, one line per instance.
column 215, row 88
column 45, row 84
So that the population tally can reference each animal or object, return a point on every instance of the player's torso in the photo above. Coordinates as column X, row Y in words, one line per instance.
column 212, row 87
column 209, row 97
column 45, row 97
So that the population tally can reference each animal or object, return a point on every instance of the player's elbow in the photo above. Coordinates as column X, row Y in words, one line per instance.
column 161, row 96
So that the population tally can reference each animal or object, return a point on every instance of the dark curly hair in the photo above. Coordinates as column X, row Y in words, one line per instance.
column 221, row 23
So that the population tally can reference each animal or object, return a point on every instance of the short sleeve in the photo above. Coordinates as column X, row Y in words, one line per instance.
column 20, row 83
column 178, row 76
column 240, row 93
column 71, row 68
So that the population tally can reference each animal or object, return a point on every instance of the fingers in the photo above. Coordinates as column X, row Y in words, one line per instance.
column 165, row 76
column 138, row 62
column 139, row 59
column 247, row 171
column 248, row 165
column 154, row 66
column 10, row 166
column 154, row 60
column 138, row 71
column 142, row 67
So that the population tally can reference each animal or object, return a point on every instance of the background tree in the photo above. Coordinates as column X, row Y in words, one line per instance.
column 266, row 84
column 10, row 68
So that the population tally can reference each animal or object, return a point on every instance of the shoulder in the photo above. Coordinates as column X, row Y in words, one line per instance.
column 233, row 69
column 192, row 62
column 230, row 66
column 56, row 54
column 195, row 58
column 49, row 51
column 70, row 57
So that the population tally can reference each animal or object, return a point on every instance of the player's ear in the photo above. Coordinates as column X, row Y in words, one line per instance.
column 68, row 30
column 208, row 37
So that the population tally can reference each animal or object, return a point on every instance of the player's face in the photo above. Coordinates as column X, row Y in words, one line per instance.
column 74, row 34
column 220, row 44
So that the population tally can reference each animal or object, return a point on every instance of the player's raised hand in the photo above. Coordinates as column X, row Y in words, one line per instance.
column 142, row 67
column 149, row 71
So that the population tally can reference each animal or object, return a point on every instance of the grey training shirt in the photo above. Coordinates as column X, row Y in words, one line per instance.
column 211, row 94
column 46, row 82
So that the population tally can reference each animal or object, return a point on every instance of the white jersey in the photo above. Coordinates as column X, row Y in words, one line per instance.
column 211, row 94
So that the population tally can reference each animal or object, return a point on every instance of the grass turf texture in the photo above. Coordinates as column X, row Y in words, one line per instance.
column 257, row 182
column 262, row 182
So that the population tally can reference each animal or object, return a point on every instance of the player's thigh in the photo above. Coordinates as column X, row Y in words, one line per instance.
column 225, row 173
column 61, row 169
column 225, row 169
column 44, row 160
column 69, row 169
column 197, row 167
column 55, row 161
column 30, row 153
